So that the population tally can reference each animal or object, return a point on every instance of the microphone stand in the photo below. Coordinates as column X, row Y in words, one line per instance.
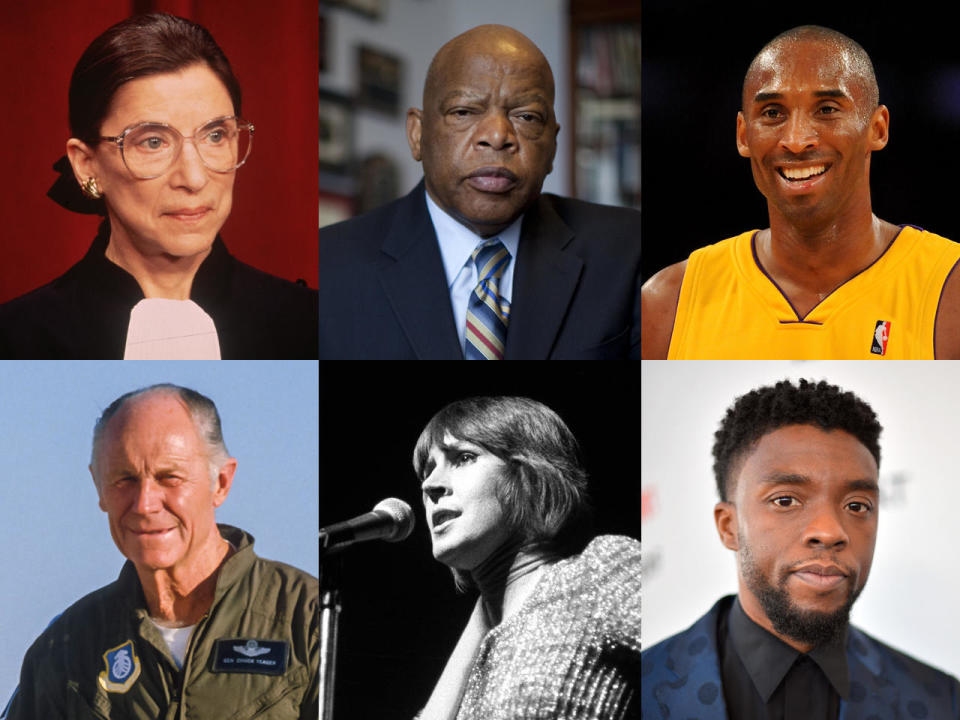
column 331, row 567
column 333, row 539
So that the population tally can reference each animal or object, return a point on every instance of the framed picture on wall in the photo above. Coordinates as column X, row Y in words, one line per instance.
column 336, row 132
column 379, row 75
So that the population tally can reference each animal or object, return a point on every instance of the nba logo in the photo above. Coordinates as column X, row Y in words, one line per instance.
column 881, row 333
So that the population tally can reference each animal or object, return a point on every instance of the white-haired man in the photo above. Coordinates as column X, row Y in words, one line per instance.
column 196, row 625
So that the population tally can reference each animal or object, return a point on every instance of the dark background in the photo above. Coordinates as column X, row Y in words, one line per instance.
column 401, row 615
column 697, row 190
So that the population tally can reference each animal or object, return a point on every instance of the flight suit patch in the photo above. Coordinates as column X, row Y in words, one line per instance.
column 246, row 655
column 122, row 668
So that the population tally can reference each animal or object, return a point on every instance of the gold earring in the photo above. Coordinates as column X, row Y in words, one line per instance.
column 91, row 189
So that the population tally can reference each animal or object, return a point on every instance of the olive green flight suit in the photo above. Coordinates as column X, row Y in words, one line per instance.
column 255, row 654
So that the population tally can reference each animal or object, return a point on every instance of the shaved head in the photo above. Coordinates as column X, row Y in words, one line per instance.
column 839, row 48
column 487, row 132
column 492, row 40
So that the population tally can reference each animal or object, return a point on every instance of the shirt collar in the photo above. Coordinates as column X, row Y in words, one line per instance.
column 832, row 659
column 768, row 659
column 233, row 569
column 457, row 242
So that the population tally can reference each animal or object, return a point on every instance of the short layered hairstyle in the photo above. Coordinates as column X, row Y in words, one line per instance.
column 544, row 491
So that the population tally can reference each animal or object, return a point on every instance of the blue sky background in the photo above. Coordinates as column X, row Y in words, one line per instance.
column 56, row 542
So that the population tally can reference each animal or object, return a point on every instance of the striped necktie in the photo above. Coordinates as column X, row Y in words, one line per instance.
column 488, row 314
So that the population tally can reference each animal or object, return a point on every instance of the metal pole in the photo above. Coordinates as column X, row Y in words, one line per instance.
column 330, row 607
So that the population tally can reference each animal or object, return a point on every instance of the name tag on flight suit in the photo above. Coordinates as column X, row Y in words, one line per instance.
column 245, row 655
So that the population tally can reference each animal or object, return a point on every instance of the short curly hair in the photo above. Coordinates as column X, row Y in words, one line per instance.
column 765, row 409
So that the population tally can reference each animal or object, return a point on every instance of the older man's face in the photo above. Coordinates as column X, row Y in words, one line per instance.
column 153, row 477
column 487, row 134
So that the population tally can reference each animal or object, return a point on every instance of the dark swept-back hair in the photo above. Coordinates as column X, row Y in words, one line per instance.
column 544, row 493
column 766, row 409
column 137, row 47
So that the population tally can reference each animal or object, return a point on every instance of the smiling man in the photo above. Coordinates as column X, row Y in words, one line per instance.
column 828, row 279
column 796, row 468
column 196, row 625
column 475, row 262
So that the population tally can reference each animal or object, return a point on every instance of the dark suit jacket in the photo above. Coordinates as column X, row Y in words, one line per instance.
column 576, row 285
column 680, row 678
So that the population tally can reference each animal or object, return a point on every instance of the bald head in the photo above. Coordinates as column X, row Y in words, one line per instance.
column 201, row 410
column 493, row 41
column 487, row 133
column 839, row 53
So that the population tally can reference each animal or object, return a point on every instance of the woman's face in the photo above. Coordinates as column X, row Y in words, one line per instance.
column 464, row 516
column 179, row 213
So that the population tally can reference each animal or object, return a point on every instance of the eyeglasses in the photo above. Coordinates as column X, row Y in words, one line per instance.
column 149, row 149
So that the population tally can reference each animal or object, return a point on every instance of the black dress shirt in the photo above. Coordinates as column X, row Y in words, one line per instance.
column 766, row 679
column 84, row 314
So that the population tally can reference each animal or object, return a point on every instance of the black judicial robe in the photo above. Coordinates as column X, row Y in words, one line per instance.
column 84, row 314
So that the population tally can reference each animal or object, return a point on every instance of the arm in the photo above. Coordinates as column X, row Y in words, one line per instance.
column 444, row 702
column 658, row 300
column 946, row 329
column 31, row 700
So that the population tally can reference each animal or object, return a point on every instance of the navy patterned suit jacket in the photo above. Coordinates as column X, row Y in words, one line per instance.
column 681, row 679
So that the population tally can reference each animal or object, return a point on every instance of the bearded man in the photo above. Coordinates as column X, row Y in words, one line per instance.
column 796, row 468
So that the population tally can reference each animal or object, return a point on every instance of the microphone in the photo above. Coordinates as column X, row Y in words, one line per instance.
column 391, row 520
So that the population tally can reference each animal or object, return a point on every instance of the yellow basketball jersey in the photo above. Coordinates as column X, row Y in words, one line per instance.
column 730, row 308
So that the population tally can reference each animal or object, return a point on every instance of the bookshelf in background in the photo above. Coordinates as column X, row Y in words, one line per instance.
column 605, row 101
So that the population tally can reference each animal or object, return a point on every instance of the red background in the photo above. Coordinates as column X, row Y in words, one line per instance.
column 273, row 48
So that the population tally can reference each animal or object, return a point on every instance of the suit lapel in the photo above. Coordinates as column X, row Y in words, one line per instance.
column 413, row 279
column 689, row 683
column 872, row 693
column 544, row 282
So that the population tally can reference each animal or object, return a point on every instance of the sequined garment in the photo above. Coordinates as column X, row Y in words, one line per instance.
column 572, row 652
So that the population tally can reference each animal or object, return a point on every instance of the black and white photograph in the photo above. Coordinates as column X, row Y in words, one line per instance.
column 512, row 584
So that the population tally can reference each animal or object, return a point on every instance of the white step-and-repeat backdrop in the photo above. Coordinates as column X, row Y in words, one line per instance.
column 910, row 600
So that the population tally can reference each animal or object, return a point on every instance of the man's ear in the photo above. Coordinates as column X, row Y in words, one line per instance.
column 224, row 481
column 742, row 146
column 97, row 486
column 879, row 128
column 553, row 154
column 414, row 131
column 725, row 517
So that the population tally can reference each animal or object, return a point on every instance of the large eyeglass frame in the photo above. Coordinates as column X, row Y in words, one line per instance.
column 119, row 139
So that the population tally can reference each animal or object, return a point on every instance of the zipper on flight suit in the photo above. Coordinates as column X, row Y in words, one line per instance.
column 178, row 698
column 179, row 715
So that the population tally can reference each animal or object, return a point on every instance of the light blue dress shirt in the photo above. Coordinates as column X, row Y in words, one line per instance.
column 457, row 243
